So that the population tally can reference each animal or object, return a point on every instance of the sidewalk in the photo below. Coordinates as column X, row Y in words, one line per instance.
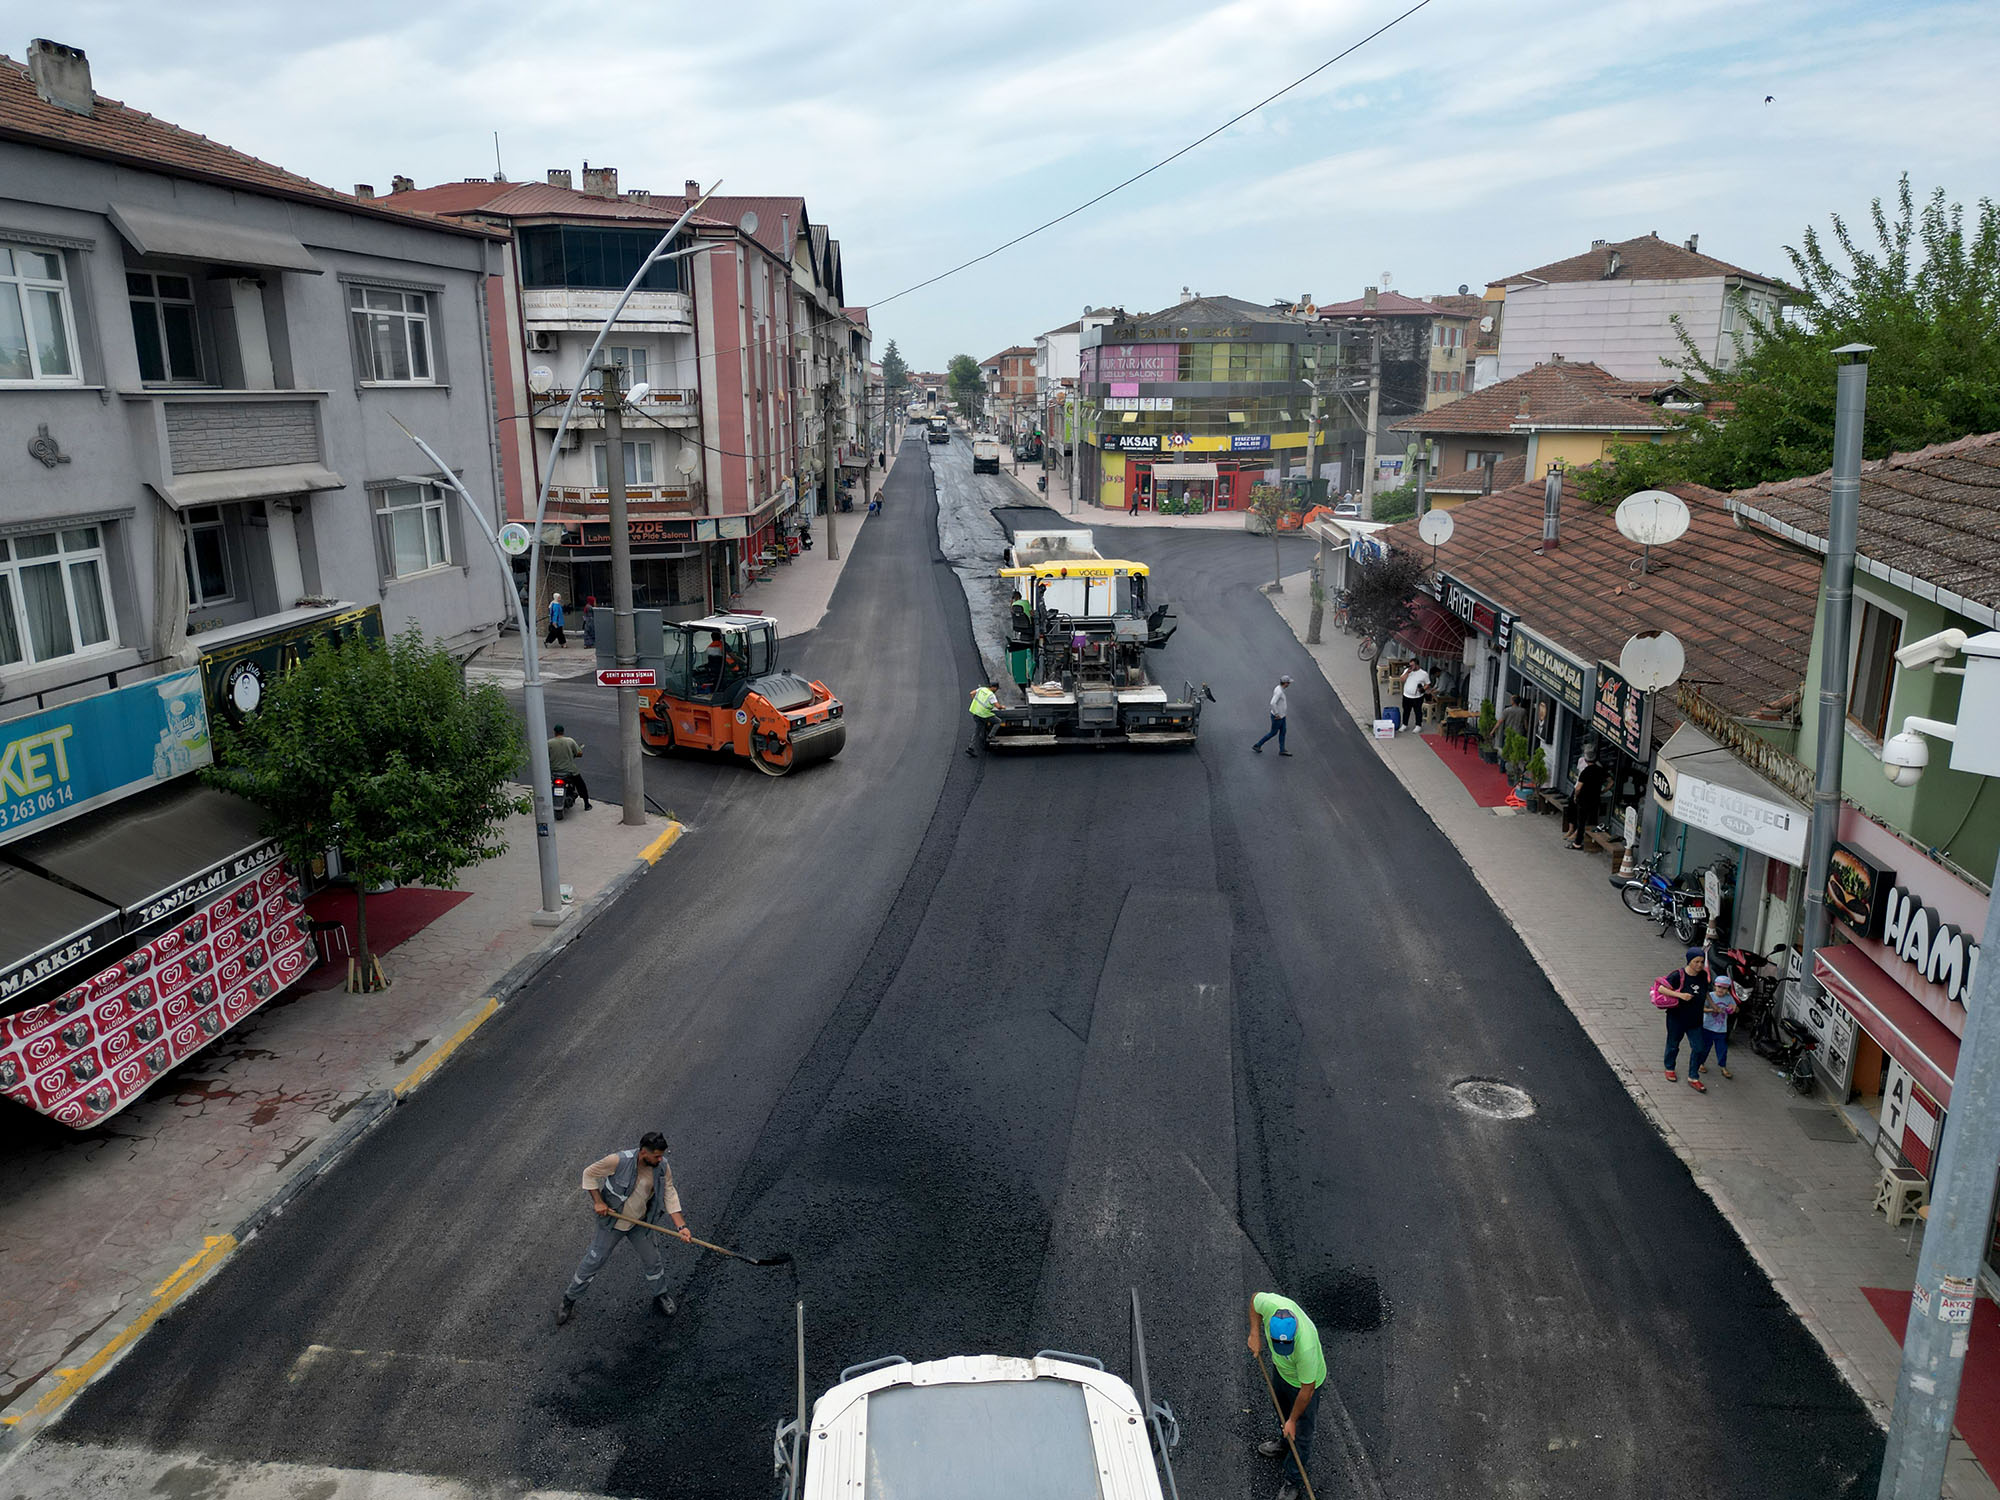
column 1787, row 1172
column 1089, row 514
column 101, row 1232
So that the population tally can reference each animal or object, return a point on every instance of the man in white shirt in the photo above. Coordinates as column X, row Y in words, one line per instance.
column 1279, row 706
column 1415, row 685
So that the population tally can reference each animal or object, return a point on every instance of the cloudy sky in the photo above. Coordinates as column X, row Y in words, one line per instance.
column 1473, row 140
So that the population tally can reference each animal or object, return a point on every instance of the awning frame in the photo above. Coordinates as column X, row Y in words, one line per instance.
column 170, row 236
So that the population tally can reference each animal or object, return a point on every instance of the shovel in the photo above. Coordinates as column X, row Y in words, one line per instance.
column 780, row 1259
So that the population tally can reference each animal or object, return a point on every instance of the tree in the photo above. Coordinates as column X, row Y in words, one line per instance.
column 966, row 384
column 1267, row 504
column 379, row 751
column 895, row 373
column 1379, row 595
column 1927, row 297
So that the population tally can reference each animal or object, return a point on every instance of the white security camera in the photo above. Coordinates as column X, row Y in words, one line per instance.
column 1904, row 758
column 1932, row 649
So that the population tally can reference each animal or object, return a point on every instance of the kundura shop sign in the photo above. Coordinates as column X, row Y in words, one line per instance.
column 1552, row 669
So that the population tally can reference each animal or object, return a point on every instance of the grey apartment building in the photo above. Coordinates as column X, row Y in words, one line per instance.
column 202, row 361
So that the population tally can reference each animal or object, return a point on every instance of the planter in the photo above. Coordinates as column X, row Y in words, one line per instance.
column 1488, row 754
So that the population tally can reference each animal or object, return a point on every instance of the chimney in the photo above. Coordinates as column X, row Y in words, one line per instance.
column 364, row 190
column 691, row 190
column 559, row 177
column 1597, row 244
column 1186, row 295
column 61, row 75
column 1692, row 241
column 1486, row 484
column 400, row 184
column 1368, row 297
column 1552, row 504
column 600, row 182
column 640, row 196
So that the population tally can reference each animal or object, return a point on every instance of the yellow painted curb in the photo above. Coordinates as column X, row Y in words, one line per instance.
column 450, row 1045
column 184, row 1280
column 652, row 852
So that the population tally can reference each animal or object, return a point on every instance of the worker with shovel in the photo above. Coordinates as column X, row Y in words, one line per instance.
column 628, row 1188
column 1301, row 1367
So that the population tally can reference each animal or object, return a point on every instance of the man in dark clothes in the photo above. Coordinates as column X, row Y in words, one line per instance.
column 1586, row 800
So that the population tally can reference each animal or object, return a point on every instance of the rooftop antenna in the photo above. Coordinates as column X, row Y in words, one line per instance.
column 499, row 172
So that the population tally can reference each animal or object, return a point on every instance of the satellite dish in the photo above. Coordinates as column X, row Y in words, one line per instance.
column 1435, row 527
column 1652, row 518
column 688, row 459
column 748, row 223
column 541, row 380
column 1463, row 289
column 1652, row 659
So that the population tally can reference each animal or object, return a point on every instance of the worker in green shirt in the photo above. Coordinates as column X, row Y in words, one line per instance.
column 1301, row 1370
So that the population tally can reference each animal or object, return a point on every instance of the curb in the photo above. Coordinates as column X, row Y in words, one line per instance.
column 19, row 1428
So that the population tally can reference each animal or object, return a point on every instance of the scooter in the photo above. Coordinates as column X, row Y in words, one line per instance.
column 562, row 791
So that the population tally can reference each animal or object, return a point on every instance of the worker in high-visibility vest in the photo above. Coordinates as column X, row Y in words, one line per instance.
column 984, row 708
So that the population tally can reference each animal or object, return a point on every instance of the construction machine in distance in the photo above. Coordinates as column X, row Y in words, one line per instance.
column 720, row 688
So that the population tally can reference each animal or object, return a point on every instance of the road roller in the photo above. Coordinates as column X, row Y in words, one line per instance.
column 721, row 688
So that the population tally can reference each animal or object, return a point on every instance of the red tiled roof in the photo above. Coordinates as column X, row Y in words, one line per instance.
column 1387, row 305
column 1741, row 603
column 1506, row 473
column 1454, row 306
column 1647, row 258
column 539, row 200
column 1933, row 515
column 773, row 214
column 116, row 132
column 1560, row 393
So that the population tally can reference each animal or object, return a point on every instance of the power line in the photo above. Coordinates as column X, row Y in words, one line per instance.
column 1163, row 161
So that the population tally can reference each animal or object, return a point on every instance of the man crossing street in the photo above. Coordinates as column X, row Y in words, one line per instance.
column 634, row 1184
column 1280, row 706
column 984, row 707
column 1300, row 1367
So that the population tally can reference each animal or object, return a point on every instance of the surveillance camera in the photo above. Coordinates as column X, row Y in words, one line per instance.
column 1904, row 758
column 1932, row 649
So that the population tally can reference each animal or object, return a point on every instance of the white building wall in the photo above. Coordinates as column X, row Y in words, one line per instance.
column 1624, row 326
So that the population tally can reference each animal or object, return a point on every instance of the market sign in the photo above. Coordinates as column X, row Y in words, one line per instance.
column 66, row 760
column 236, row 675
column 1551, row 668
column 1478, row 611
column 642, row 532
column 1249, row 443
column 1622, row 713
column 1132, row 442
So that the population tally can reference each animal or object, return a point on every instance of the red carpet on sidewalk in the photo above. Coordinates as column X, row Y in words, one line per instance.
column 394, row 917
column 1488, row 784
column 1978, row 1420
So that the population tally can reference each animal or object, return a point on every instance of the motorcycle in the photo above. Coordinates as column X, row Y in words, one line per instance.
column 1758, row 977
column 562, row 791
column 1649, row 894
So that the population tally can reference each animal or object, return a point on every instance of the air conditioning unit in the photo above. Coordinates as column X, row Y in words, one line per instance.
column 540, row 341
column 572, row 440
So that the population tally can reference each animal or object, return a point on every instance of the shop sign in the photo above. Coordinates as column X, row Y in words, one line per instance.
column 1132, row 442
column 1622, row 714
column 1910, row 1121
column 1139, row 403
column 1365, row 549
column 1551, row 668
column 1478, row 611
column 1857, row 890
column 1754, row 822
column 1245, row 443
column 66, row 760
column 1833, row 1027
column 235, row 676
column 1867, row 897
column 643, row 532
column 1149, row 362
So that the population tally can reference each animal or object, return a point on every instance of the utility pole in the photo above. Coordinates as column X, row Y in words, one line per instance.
column 624, row 637
column 1374, row 415
column 832, row 474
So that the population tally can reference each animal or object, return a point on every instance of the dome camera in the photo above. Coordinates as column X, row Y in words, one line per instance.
column 1904, row 758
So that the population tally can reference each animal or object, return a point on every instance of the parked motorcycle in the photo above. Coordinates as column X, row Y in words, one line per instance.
column 1649, row 894
column 562, row 791
column 1758, row 976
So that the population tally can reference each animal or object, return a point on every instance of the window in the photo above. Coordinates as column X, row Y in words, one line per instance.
column 413, row 528
column 630, row 360
column 164, row 325
column 392, row 329
column 1476, row 458
column 207, row 557
column 1874, row 678
column 638, row 463
column 52, row 598
column 37, row 333
column 598, row 259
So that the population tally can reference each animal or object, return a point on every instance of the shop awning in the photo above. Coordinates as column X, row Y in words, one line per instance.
column 1183, row 471
column 45, row 928
column 183, row 237
column 1707, row 787
column 225, row 486
column 1890, row 1014
column 1432, row 631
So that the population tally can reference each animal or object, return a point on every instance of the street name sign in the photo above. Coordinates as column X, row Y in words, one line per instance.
column 626, row 677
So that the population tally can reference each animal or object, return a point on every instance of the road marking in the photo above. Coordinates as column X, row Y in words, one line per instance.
column 652, row 852
column 189, row 1275
column 451, row 1044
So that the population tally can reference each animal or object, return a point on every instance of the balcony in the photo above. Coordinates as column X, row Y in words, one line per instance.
column 575, row 310
column 669, row 407
column 670, row 499
column 208, row 447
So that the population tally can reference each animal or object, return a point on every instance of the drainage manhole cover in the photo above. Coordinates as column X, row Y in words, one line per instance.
column 1498, row 1101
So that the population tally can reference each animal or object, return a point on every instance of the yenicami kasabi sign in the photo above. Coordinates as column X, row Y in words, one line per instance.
column 63, row 761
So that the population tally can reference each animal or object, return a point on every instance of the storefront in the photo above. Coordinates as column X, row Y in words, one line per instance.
column 1434, row 640
column 1711, row 802
column 1484, row 659
column 1561, row 693
column 1621, row 736
column 1888, row 999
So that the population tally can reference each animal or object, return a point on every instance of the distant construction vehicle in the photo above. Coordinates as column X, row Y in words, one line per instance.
column 940, row 429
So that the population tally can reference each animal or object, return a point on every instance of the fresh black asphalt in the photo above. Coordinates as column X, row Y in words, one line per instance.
column 985, row 1044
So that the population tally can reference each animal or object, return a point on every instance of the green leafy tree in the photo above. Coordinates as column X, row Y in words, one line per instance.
column 1398, row 504
column 966, row 384
column 1926, row 295
column 380, row 751
column 895, row 372
column 1381, row 599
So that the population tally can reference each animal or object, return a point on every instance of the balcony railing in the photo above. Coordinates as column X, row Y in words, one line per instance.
column 674, row 407
column 584, row 311
column 675, row 499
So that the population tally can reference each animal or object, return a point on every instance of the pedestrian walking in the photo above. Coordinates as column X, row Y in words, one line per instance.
column 565, row 759
column 1586, row 799
column 984, row 708
column 590, row 622
column 1416, row 688
column 555, row 637
column 1300, row 1367
column 1513, row 720
column 1715, row 1018
column 628, row 1188
column 1689, row 986
column 1280, row 706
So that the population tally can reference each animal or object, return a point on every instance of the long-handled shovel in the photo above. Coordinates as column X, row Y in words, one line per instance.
column 782, row 1258
column 1283, row 1416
